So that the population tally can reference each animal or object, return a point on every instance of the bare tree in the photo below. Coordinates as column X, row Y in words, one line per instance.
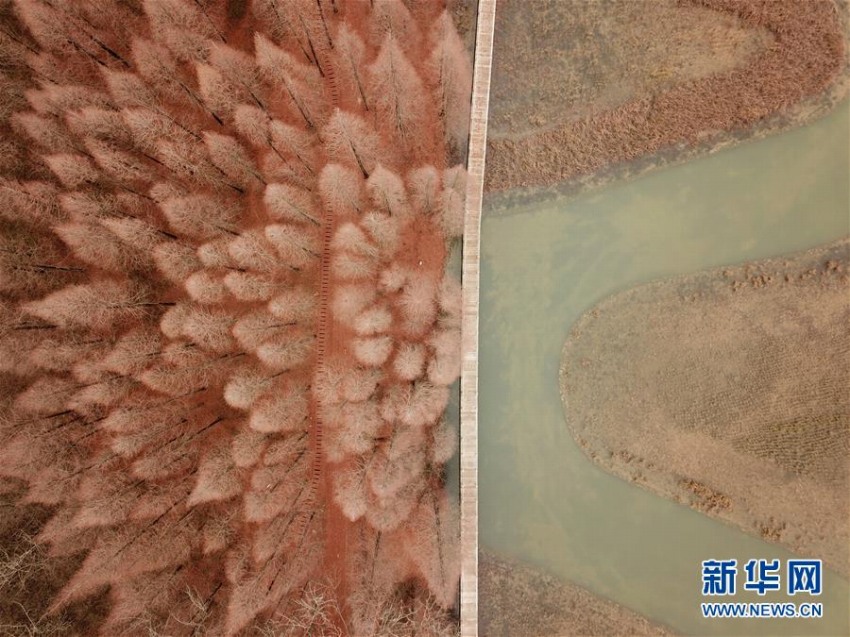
column 225, row 328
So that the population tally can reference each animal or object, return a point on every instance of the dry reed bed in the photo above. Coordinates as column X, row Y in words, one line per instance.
column 727, row 391
column 799, row 74
column 517, row 600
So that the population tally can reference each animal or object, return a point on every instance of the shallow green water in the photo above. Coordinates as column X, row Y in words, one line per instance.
column 541, row 499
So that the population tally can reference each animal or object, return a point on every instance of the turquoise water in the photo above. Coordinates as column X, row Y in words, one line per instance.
column 542, row 265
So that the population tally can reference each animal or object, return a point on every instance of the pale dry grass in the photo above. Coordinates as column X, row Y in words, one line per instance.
column 35, row 626
column 519, row 600
column 316, row 613
column 589, row 92
column 28, row 575
column 558, row 61
column 727, row 391
column 22, row 563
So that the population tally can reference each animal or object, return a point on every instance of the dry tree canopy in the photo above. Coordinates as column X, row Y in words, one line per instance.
column 227, row 331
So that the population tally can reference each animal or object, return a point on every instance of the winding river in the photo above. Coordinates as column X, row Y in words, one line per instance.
column 543, row 264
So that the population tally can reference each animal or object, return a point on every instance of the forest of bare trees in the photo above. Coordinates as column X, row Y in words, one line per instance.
column 227, row 331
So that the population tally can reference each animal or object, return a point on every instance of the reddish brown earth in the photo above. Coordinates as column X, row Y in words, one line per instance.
column 318, row 134
column 423, row 248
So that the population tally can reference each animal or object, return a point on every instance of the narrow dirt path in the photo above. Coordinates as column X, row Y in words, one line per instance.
column 336, row 524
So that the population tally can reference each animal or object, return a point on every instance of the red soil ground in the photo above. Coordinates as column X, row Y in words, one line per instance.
column 423, row 248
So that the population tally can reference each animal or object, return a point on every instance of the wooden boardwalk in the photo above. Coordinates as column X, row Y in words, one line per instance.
column 469, row 325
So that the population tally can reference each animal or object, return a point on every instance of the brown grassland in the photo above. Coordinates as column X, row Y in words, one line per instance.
column 520, row 601
column 727, row 391
column 587, row 92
